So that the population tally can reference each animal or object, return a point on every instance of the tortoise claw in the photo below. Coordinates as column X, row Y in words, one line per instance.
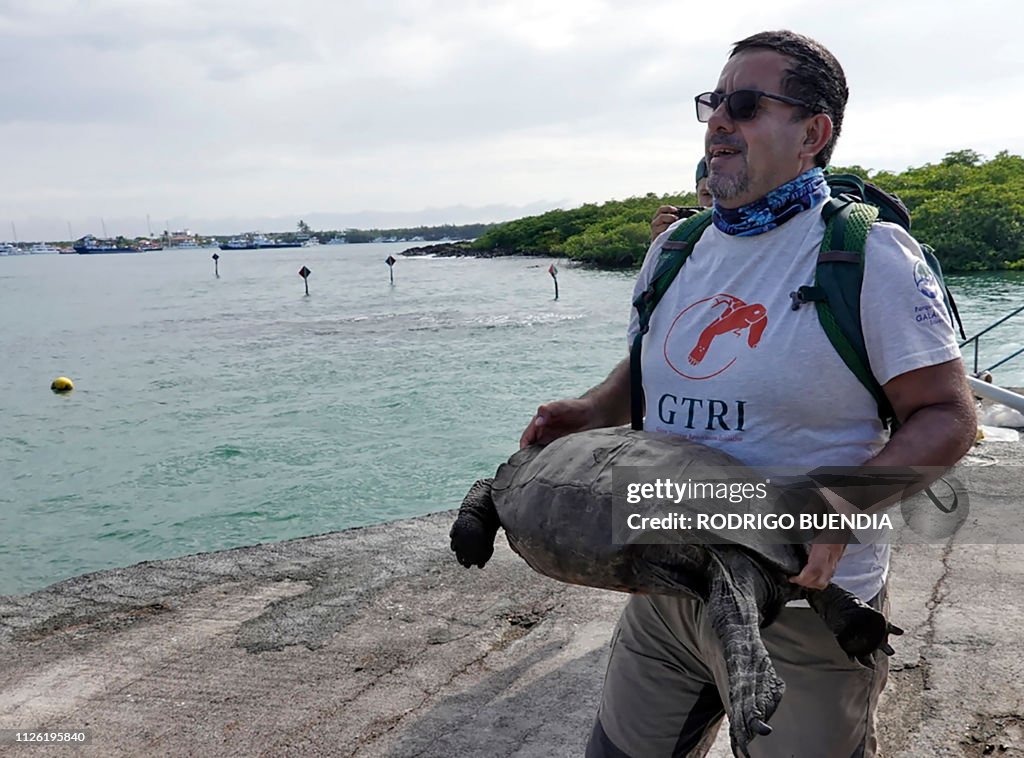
column 859, row 628
column 760, row 727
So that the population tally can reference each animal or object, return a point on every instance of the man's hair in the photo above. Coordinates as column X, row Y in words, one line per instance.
column 817, row 78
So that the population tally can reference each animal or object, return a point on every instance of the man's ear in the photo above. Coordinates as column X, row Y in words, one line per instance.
column 817, row 134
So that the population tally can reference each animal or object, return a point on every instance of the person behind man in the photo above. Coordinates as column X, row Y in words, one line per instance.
column 666, row 215
column 772, row 393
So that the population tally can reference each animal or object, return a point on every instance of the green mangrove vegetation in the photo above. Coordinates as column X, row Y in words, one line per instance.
column 971, row 210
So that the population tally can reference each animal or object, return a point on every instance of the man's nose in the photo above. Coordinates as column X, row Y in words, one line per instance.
column 720, row 120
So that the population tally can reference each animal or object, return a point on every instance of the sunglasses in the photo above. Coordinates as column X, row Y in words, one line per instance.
column 741, row 104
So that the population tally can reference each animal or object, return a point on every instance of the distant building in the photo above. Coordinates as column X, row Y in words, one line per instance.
column 183, row 239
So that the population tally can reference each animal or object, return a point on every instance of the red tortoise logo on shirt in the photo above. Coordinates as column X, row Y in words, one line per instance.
column 723, row 320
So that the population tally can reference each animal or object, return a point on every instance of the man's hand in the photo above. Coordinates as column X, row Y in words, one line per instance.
column 667, row 215
column 557, row 419
column 607, row 404
column 821, row 565
column 664, row 217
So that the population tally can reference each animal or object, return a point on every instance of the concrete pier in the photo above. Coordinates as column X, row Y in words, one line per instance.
column 375, row 642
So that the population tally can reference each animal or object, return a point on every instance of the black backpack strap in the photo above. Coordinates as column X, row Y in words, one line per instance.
column 671, row 257
column 933, row 263
column 890, row 207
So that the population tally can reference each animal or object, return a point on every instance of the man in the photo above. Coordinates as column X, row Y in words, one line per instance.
column 780, row 396
column 666, row 215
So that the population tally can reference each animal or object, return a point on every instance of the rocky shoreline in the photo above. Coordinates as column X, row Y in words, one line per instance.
column 463, row 250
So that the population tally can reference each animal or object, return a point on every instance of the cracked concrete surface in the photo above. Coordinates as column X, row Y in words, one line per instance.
column 375, row 642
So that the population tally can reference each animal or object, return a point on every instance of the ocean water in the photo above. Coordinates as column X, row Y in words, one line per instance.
column 214, row 413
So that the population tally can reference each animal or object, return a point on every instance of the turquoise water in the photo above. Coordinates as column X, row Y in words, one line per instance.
column 210, row 413
column 214, row 413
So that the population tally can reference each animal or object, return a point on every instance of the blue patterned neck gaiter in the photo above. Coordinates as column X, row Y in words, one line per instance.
column 775, row 208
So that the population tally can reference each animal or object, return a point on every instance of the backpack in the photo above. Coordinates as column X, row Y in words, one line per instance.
column 854, row 206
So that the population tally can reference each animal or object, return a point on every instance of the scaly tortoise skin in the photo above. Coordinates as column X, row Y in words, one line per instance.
column 555, row 504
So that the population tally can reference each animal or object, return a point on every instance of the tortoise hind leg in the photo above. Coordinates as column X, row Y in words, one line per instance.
column 739, row 591
column 476, row 526
column 859, row 628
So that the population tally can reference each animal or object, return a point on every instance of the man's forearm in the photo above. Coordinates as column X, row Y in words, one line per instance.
column 931, row 441
column 611, row 397
column 936, row 436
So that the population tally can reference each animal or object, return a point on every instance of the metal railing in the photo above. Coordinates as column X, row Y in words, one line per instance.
column 976, row 340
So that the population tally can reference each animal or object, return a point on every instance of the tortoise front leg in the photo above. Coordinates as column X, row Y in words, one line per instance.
column 476, row 526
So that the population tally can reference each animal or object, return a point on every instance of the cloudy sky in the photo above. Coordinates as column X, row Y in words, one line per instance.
column 229, row 115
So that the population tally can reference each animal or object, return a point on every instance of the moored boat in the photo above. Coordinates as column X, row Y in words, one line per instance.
column 89, row 245
column 258, row 242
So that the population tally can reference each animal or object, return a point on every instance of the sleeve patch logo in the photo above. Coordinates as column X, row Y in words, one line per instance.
column 924, row 280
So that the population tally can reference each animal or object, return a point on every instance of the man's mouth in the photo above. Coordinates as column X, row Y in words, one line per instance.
column 722, row 152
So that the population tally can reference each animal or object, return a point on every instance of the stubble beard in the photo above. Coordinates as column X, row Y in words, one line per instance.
column 726, row 187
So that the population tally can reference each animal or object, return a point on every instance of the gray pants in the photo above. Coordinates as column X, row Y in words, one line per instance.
column 662, row 698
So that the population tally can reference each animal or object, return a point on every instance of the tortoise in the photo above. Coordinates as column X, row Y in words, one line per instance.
column 555, row 503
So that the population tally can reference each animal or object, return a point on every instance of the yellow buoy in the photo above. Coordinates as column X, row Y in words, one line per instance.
column 62, row 384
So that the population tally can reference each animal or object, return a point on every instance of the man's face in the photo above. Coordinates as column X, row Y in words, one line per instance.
column 704, row 198
column 747, row 159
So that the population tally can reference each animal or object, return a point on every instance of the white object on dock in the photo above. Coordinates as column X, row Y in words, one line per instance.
column 999, row 434
column 997, row 394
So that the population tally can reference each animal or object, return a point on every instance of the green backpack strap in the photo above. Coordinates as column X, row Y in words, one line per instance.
column 673, row 254
column 838, row 277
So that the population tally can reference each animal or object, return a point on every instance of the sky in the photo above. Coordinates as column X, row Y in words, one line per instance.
column 225, row 116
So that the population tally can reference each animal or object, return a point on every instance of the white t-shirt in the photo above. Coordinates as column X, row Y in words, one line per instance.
column 728, row 363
